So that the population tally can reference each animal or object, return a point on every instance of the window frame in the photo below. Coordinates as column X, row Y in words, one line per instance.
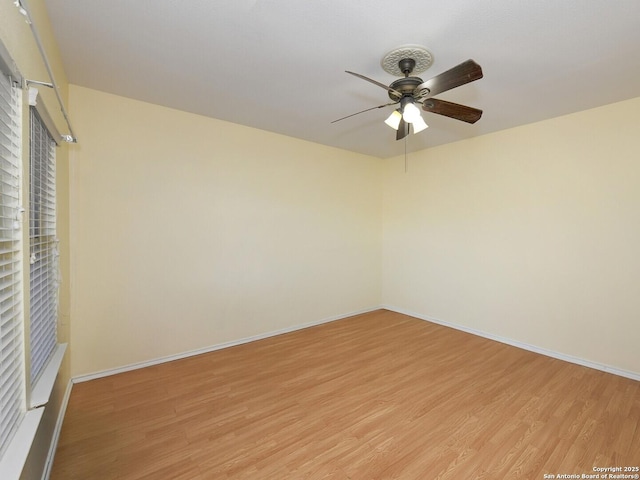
column 42, row 386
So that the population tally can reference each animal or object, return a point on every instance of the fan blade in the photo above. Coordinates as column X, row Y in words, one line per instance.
column 403, row 130
column 453, row 110
column 367, row 110
column 466, row 72
column 389, row 89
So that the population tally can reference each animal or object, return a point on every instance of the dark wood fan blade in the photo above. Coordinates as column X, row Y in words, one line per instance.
column 375, row 82
column 403, row 130
column 466, row 72
column 367, row 110
column 453, row 110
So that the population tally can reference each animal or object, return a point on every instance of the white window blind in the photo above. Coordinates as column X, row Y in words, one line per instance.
column 12, row 390
column 43, row 246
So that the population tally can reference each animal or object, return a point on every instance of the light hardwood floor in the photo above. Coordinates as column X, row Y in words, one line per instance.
column 375, row 396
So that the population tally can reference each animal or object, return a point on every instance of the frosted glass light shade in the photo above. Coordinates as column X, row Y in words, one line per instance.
column 419, row 125
column 393, row 120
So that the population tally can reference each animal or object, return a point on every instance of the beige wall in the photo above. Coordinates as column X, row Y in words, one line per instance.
column 189, row 232
column 206, row 232
column 531, row 234
column 17, row 38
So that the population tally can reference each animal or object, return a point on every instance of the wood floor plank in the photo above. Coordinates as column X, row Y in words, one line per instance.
column 375, row 396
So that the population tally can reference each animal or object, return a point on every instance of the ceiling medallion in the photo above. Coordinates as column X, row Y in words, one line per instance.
column 420, row 54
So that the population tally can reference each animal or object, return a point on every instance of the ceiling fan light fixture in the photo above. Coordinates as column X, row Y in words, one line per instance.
column 410, row 91
column 419, row 125
column 393, row 120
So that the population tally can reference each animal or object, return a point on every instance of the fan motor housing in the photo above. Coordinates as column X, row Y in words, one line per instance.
column 405, row 86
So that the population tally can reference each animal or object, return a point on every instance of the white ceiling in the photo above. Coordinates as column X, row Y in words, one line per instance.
column 279, row 65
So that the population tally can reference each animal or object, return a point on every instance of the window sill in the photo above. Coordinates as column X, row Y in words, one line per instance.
column 15, row 456
column 44, row 386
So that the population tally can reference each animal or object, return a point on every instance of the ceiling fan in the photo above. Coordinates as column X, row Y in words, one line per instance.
column 409, row 92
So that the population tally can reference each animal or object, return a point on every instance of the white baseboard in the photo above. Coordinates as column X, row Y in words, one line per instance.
column 213, row 348
column 524, row 346
column 56, row 432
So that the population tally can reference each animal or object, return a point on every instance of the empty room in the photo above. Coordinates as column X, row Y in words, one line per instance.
column 274, row 239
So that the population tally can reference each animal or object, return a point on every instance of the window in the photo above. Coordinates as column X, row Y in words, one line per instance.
column 12, row 402
column 43, row 248
column 23, row 393
column 29, row 362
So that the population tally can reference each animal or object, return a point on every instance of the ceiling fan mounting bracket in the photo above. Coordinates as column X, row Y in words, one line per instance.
column 406, row 66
